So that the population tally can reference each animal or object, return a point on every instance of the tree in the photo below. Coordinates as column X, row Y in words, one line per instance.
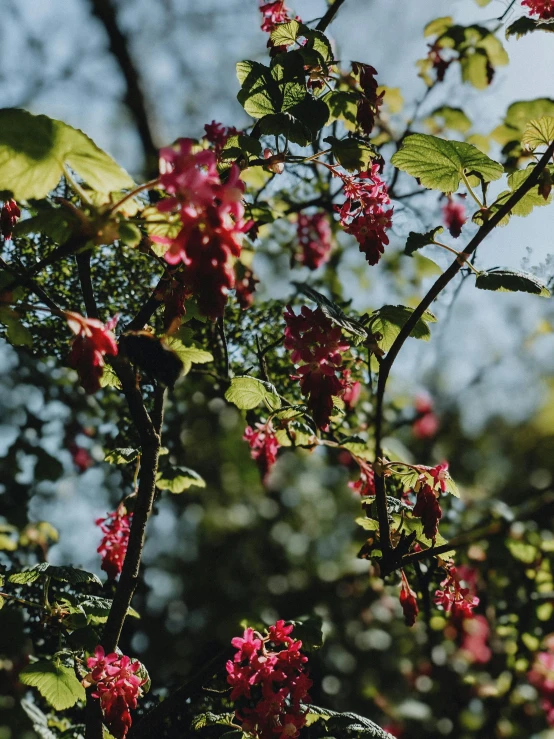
column 147, row 292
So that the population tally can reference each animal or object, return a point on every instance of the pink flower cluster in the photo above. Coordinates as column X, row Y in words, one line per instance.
column 212, row 218
column 8, row 218
column 314, row 237
column 427, row 505
column 316, row 345
column 455, row 599
column 269, row 682
column 454, row 215
column 364, row 213
column 217, row 134
column 370, row 102
column 541, row 676
column 113, row 547
column 426, row 424
column 475, row 634
column 117, row 686
column 93, row 340
column 264, row 446
column 543, row 8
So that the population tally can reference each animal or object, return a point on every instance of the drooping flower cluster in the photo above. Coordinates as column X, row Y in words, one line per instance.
column 264, row 446
column 217, row 134
column 113, row 547
column 93, row 340
column 475, row 634
column 212, row 218
column 8, row 218
column 270, row 683
column 117, row 687
column 543, row 8
column 454, row 215
column 352, row 392
column 365, row 485
column 371, row 101
column 426, row 424
column 427, row 505
column 314, row 237
column 364, row 214
column 454, row 598
column 408, row 601
column 316, row 345
column 541, row 676
column 80, row 456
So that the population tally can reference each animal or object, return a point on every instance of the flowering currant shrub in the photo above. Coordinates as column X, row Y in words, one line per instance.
column 144, row 311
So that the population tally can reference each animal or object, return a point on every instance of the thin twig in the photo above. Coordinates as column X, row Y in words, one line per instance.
column 329, row 16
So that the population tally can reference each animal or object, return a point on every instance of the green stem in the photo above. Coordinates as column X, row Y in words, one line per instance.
column 150, row 185
column 75, row 186
column 459, row 255
column 470, row 190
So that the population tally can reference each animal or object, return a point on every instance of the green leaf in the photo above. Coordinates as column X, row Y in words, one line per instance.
column 440, row 164
column 121, row 455
column 178, row 479
column 71, row 575
column 417, row 241
column 453, row 118
column 34, row 150
column 57, row 684
column 300, row 124
column 248, row 392
column 57, row 223
column 17, row 334
column 259, row 94
column 389, row 319
column 475, row 69
column 353, row 154
column 505, row 280
column 521, row 112
column 284, row 34
column 438, row 26
column 539, row 132
column 288, row 70
column 98, row 607
column 317, row 42
column 532, row 199
column 38, row 719
column 109, row 378
column 129, row 234
column 346, row 724
column 342, row 105
column 332, row 310
column 525, row 25
column 189, row 355
column 369, row 524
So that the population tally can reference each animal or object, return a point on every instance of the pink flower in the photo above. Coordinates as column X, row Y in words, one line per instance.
column 475, row 634
column 117, row 687
column 264, row 446
column 541, row 676
column 454, row 598
column 363, row 214
column 8, row 218
column 269, row 683
column 426, row 424
column 408, row 601
column 365, row 485
column 353, row 391
column 543, row 8
column 116, row 527
column 217, row 135
column 428, row 509
column 440, row 476
column 81, row 458
column 92, row 342
column 454, row 215
column 316, row 345
column 314, row 237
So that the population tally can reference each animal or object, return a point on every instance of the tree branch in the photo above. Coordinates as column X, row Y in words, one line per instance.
column 135, row 100
column 389, row 561
column 329, row 16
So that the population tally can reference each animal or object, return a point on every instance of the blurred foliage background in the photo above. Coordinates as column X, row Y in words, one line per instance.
column 235, row 550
